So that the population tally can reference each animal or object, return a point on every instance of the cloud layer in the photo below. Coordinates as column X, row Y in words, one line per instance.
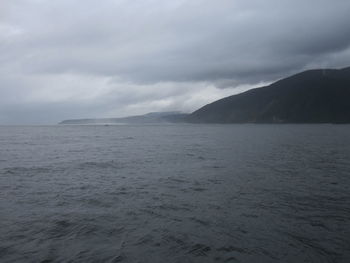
column 68, row 58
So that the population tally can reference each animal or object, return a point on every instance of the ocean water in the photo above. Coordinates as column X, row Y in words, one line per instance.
column 175, row 193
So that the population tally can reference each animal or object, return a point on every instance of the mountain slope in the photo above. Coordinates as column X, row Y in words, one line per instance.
column 314, row 96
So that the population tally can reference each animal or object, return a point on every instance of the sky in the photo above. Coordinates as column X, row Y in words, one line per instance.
column 64, row 59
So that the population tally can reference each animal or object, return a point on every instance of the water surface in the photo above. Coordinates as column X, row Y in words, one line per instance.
column 175, row 193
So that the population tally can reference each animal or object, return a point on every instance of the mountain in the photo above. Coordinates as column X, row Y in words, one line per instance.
column 152, row 117
column 313, row 96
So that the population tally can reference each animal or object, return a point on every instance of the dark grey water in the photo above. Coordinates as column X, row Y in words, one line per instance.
column 177, row 193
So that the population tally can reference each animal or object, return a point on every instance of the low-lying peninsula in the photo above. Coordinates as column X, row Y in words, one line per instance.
column 152, row 117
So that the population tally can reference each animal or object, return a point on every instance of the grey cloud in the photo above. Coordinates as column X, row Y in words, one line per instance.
column 149, row 42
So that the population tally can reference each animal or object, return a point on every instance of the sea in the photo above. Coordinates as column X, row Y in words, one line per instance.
column 175, row 193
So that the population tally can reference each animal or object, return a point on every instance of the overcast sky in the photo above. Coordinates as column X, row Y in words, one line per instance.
column 62, row 59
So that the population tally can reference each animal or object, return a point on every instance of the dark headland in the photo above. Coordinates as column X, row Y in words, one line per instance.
column 313, row 96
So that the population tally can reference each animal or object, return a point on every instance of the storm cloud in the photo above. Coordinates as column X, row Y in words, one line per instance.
column 68, row 59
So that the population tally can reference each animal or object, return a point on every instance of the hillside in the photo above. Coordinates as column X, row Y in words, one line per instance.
column 313, row 96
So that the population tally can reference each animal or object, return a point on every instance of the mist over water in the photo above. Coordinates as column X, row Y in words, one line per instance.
column 175, row 193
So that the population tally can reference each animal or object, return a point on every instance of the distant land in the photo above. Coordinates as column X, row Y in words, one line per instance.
column 152, row 117
column 313, row 96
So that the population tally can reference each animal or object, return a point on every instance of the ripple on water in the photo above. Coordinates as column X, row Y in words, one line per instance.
column 181, row 193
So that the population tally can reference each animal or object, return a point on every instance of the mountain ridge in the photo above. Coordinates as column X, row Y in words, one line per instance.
column 312, row 96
